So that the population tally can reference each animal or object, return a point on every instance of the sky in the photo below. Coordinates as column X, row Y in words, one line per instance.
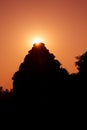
column 61, row 24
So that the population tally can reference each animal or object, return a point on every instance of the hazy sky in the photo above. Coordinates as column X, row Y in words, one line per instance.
column 62, row 24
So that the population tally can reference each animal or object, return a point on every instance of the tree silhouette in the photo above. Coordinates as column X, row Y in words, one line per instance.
column 38, row 76
column 82, row 63
column 5, row 94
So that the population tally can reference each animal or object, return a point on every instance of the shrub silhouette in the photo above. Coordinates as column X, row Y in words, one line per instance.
column 39, row 76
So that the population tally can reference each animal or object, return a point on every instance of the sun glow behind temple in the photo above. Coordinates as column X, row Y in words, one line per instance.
column 37, row 41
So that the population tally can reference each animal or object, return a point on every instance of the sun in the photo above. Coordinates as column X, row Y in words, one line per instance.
column 37, row 41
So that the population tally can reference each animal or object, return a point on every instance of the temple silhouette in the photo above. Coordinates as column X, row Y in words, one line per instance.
column 41, row 80
column 39, row 76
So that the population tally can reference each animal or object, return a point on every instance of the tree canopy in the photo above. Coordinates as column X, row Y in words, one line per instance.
column 81, row 63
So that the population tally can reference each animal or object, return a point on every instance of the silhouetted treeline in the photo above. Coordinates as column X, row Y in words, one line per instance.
column 4, row 94
column 41, row 79
column 6, row 99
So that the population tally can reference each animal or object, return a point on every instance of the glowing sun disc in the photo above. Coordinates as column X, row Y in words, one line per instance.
column 37, row 41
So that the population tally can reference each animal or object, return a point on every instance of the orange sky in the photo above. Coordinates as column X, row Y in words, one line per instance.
column 62, row 24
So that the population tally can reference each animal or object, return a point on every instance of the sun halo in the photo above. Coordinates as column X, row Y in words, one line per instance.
column 37, row 41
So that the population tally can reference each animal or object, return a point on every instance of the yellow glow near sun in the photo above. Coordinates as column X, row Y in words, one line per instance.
column 37, row 40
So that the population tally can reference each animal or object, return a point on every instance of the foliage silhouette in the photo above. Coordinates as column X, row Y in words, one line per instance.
column 5, row 94
column 6, row 99
column 81, row 64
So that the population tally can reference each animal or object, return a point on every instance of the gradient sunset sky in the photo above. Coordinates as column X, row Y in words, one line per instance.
column 61, row 24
